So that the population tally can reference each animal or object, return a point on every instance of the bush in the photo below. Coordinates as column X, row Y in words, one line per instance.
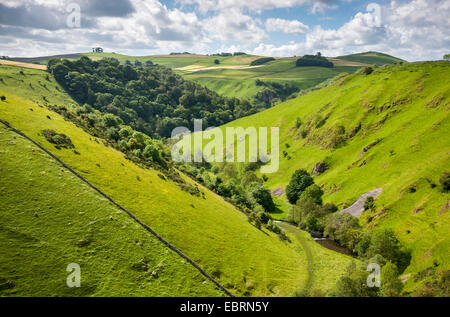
column 298, row 122
column 369, row 203
column 60, row 140
column 216, row 61
column 2, row 98
column 445, row 181
column 367, row 70
column 300, row 180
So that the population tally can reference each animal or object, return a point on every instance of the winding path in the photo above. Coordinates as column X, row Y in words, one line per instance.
column 309, row 255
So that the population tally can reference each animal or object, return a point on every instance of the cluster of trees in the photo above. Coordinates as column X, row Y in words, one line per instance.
column 261, row 61
column 137, row 146
column 314, row 60
column 152, row 100
column 381, row 246
column 274, row 92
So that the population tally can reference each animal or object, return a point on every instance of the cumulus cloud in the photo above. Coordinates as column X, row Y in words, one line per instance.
column 411, row 29
column 416, row 30
column 259, row 5
column 233, row 25
column 286, row 26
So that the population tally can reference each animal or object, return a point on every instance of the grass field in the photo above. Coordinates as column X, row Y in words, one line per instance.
column 50, row 218
column 402, row 112
column 234, row 77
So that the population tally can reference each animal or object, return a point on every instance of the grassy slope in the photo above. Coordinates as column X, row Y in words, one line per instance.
column 373, row 58
column 407, row 107
column 241, row 82
column 50, row 218
column 251, row 262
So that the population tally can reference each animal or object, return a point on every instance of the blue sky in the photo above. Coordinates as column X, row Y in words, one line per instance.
column 410, row 29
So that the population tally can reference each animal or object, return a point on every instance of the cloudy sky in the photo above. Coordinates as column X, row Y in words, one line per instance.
column 410, row 29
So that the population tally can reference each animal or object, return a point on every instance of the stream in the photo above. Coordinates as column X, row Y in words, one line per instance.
column 325, row 242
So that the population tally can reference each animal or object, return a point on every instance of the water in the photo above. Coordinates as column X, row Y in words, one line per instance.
column 333, row 245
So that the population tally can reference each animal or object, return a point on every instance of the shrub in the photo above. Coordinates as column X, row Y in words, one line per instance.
column 262, row 196
column 369, row 203
column 2, row 98
column 445, row 181
column 300, row 180
column 60, row 140
column 367, row 70
column 298, row 122
column 216, row 61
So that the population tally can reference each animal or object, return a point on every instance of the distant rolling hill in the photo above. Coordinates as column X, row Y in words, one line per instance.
column 234, row 77
column 372, row 58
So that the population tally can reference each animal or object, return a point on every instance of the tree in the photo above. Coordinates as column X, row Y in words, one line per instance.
column 313, row 192
column 300, row 180
column 386, row 244
column 216, row 61
column 391, row 286
column 447, row 57
column 262, row 196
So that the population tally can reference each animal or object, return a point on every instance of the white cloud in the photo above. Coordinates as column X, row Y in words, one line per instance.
column 417, row 30
column 255, row 5
column 233, row 25
column 286, row 26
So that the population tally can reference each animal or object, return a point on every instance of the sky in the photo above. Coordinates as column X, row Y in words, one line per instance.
column 410, row 29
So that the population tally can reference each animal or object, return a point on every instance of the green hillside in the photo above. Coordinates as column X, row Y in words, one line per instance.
column 252, row 262
column 388, row 129
column 372, row 58
column 50, row 219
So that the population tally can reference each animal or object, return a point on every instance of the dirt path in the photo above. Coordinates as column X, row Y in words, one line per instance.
column 309, row 255
column 358, row 206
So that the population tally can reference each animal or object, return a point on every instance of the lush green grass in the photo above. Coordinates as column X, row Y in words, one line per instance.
column 246, row 260
column 325, row 267
column 373, row 58
column 36, row 85
column 407, row 108
column 241, row 82
column 49, row 218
